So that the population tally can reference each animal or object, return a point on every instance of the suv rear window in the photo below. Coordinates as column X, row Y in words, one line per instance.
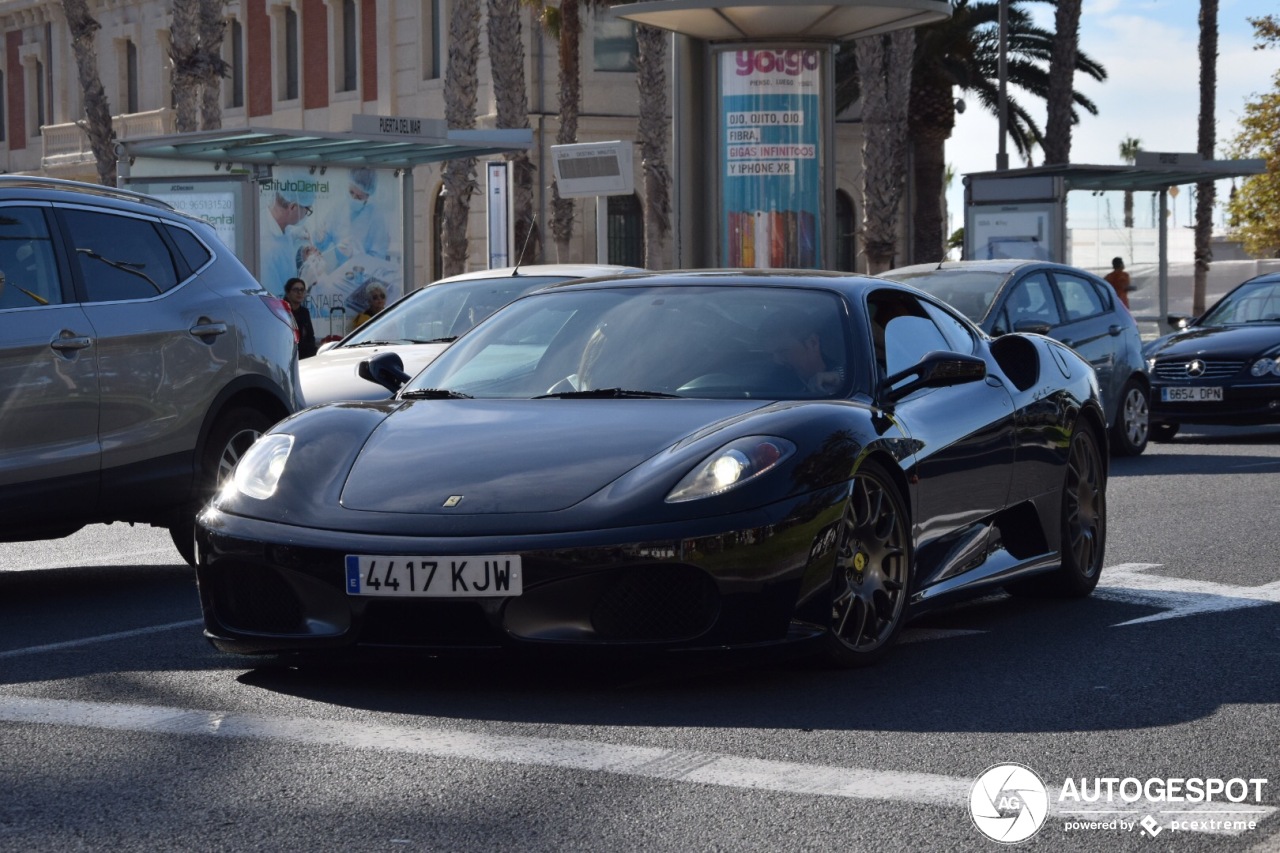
column 120, row 257
column 195, row 253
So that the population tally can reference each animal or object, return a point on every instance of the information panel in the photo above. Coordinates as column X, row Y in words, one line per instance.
column 771, row 137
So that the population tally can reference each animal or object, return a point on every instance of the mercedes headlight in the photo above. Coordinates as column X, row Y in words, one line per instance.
column 738, row 462
column 1266, row 366
column 259, row 470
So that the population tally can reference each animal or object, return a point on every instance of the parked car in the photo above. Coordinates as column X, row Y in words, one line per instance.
column 1223, row 367
column 138, row 360
column 421, row 324
column 692, row 460
column 1069, row 304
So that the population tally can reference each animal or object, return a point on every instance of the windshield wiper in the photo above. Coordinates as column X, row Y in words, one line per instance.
column 434, row 394
column 447, row 340
column 379, row 343
column 602, row 393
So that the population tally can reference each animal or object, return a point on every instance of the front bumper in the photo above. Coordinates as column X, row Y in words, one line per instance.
column 746, row 580
column 1243, row 404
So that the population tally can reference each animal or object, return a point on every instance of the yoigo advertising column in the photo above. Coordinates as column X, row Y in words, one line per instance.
column 771, row 144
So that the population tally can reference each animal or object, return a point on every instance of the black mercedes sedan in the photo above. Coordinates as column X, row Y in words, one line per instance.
column 668, row 462
column 1223, row 367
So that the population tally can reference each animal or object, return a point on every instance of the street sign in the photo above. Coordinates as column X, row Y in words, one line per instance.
column 593, row 169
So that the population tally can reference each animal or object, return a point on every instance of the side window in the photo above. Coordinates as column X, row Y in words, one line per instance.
column 958, row 335
column 28, row 269
column 1079, row 297
column 120, row 257
column 195, row 253
column 902, row 332
column 1030, row 299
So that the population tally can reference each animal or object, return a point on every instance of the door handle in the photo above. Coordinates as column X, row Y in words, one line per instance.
column 69, row 342
column 1115, row 330
column 208, row 329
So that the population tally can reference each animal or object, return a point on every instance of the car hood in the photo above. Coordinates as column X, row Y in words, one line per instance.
column 513, row 456
column 1241, row 342
column 332, row 375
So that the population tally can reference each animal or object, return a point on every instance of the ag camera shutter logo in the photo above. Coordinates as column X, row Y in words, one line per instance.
column 1008, row 803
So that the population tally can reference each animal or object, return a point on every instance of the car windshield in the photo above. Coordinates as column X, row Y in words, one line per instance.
column 653, row 341
column 968, row 291
column 442, row 312
column 1256, row 303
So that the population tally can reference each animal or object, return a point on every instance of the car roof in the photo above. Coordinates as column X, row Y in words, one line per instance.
column 738, row 277
column 539, row 270
column 995, row 265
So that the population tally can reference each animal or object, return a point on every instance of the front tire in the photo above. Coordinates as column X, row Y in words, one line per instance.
column 1132, row 424
column 869, row 586
column 232, row 434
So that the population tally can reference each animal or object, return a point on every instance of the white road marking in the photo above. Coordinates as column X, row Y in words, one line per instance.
column 672, row 765
column 1178, row 597
column 100, row 638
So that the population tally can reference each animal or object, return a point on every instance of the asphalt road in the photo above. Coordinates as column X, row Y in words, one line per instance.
column 121, row 729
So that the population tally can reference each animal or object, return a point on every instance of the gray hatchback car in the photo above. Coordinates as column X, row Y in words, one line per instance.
column 138, row 359
column 1064, row 302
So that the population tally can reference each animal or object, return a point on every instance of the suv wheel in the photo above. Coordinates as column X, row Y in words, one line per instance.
column 231, row 436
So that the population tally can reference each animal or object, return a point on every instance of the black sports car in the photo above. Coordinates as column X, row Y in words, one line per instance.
column 1222, row 368
column 669, row 461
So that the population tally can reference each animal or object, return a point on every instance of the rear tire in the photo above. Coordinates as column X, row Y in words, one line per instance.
column 1163, row 432
column 869, row 586
column 1083, row 522
column 232, row 434
column 1132, row 424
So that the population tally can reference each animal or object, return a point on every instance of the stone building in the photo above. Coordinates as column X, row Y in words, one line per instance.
column 312, row 65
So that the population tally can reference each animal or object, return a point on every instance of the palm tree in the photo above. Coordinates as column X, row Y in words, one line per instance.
column 963, row 52
column 506, row 59
column 1129, row 148
column 1062, row 66
column 885, row 61
column 184, row 50
column 653, row 135
column 459, row 176
column 212, row 26
column 97, row 121
column 1205, row 145
column 566, row 26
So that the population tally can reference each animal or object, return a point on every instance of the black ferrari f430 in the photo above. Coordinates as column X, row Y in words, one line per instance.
column 669, row 462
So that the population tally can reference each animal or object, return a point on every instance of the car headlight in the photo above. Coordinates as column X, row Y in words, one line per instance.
column 738, row 462
column 1265, row 366
column 259, row 470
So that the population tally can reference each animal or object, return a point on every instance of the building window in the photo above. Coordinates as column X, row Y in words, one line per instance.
column 289, row 52
column 614, row 44
column 432, row 28
column 626, row 231
column 349, row 20
column 38, row 73
column 4, row 113
column 130, row 77
column 233, row 46
column 846, row 233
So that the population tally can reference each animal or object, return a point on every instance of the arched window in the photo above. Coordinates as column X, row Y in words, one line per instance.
column 846, row 233
column 626, row 231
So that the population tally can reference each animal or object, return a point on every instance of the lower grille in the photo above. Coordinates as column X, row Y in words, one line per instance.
column 426, row 623
column 256, row 599
column 655, row 603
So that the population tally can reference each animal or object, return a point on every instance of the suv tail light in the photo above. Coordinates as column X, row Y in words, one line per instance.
column 281, row 309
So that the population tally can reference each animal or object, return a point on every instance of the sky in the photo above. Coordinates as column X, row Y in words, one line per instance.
column 1150, row 49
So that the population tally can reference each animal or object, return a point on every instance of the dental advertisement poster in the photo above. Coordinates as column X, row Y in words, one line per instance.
column 770, row 130
column 340, row 232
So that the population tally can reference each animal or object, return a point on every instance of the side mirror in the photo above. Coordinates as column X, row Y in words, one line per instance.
column 385, row 369
column 1034, row 327
column 936, row 370
column 1179, row 321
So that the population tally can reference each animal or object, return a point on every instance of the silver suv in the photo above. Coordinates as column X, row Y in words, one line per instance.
column 138, row 359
